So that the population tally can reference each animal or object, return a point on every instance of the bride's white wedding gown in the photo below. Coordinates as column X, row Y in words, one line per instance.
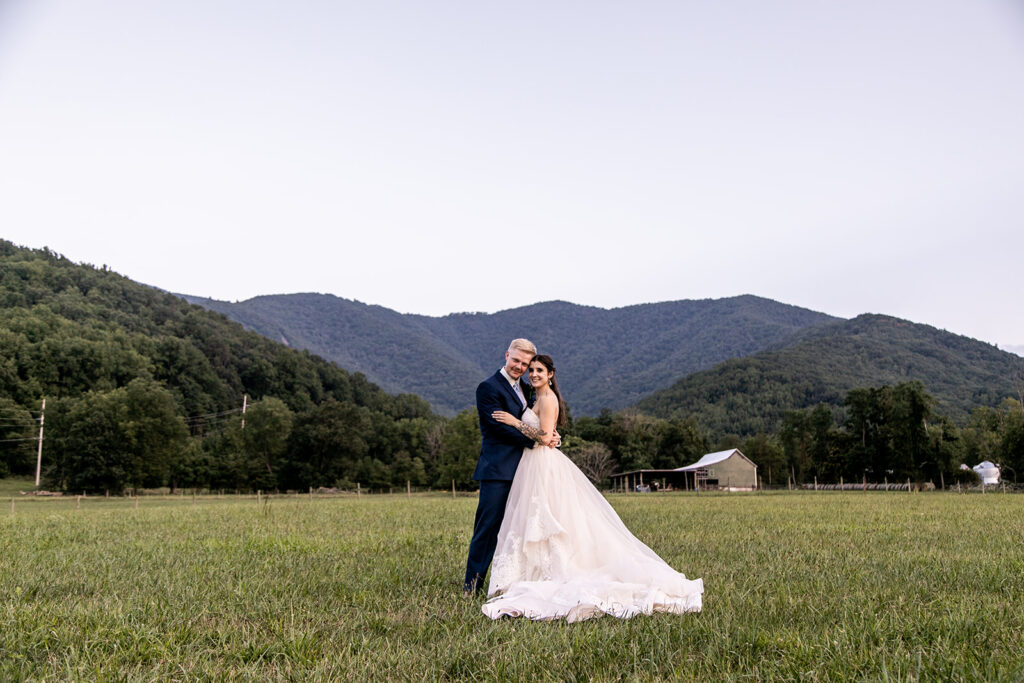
column 563, row 552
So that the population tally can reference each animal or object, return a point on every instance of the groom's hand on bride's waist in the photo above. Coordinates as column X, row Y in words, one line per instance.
column 556, row 439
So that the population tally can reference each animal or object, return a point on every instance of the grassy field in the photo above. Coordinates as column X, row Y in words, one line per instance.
column 14, row 485
column 808, row 586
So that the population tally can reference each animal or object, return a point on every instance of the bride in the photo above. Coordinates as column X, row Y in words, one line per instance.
column 562, row 551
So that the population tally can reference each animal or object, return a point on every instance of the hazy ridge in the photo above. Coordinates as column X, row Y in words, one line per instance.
column 606, row 358
column 820, row 365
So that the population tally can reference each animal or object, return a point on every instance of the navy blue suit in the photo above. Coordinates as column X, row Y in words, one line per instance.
column 501, row 448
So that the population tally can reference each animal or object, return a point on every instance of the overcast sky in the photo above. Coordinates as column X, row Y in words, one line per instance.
column 435, row 157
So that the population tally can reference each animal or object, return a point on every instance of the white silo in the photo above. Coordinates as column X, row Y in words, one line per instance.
column 988, row 472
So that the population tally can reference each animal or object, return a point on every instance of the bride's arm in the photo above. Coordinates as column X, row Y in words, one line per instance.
column 547, row 410
column 537, row 435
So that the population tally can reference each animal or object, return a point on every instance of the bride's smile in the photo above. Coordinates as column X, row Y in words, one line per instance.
column 539, row 375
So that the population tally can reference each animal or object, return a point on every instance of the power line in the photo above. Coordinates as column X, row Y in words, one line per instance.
column 212, row 415
column 18, row 411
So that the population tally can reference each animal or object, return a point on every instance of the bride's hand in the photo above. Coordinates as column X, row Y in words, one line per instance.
column 504, row 418
column 556, row 440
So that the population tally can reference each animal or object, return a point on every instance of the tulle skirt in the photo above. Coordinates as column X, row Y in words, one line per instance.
column 563, row 552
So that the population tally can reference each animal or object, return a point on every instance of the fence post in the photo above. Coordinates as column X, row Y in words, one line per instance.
column 453, row 489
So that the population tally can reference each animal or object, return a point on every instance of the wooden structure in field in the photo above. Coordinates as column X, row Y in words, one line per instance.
column 652, row 480
column 725, row 470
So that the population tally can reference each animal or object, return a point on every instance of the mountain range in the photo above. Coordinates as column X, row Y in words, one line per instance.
column 736, row 364
column 605, row 358
column 821, row 364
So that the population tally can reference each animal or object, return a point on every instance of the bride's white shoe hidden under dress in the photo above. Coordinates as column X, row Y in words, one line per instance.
column 563, row 552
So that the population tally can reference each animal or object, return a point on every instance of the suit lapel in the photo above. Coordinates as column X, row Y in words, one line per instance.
column 527, row 393
column 519, row 409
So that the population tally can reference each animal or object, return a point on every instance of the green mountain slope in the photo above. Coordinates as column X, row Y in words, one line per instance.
column 605, row 358
column 67, row 329
column 749, row 395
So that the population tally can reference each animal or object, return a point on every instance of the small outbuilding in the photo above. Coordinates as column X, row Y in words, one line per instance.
column 652, row 480
column 988, row 472
column 725, row 470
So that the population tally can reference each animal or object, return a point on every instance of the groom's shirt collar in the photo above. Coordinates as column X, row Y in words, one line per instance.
column 511, row 382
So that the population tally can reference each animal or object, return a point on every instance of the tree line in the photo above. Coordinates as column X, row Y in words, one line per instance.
column 890, row 432
column 144, row 390
column 749, row 395
column 135, row 437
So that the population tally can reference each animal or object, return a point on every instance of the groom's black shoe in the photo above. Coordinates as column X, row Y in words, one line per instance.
column 474, row 586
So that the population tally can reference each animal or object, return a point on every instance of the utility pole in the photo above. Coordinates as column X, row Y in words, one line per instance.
column 39, row 453
column 245, row 402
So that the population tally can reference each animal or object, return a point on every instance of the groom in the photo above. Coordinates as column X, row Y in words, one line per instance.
column 500, row 450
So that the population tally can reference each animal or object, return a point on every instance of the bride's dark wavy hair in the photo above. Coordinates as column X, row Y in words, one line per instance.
column 546, row 361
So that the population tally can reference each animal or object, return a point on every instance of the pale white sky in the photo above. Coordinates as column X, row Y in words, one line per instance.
column 435, row 157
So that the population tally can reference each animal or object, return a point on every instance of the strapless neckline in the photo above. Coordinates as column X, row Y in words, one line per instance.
column 530, row 418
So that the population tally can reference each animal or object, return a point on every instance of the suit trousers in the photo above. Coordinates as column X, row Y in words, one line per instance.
column 490, row 510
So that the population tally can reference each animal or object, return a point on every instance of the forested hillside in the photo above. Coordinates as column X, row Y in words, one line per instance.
column 606, row 358
column 820, row 365
column 144, row 389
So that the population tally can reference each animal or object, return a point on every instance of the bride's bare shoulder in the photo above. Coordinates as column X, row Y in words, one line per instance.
column 546, row 404
column 546, row 400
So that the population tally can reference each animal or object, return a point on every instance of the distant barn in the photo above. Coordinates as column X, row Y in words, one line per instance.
column 726, row 470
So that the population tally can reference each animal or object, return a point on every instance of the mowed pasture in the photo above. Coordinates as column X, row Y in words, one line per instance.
column 801, row 585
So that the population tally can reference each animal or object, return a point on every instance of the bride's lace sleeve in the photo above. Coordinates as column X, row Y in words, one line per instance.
column 535, row 433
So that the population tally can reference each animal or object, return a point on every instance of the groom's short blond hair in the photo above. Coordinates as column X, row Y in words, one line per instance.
column 523, row 345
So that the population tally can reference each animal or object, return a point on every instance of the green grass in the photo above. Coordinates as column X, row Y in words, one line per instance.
column 13, row 486
column 808, row 586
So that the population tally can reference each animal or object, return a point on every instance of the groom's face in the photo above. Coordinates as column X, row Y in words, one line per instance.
column 516, row 362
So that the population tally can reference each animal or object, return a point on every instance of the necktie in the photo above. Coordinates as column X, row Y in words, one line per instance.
column 519, row 393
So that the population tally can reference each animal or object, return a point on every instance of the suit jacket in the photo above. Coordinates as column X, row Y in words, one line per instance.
column 501, row 446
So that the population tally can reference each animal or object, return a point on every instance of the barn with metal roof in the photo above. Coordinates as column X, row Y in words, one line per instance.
column 725, row 470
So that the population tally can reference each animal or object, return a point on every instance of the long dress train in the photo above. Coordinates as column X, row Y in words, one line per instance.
column 563, row 552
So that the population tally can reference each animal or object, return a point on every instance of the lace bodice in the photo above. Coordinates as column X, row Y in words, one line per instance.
column 529, row 417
